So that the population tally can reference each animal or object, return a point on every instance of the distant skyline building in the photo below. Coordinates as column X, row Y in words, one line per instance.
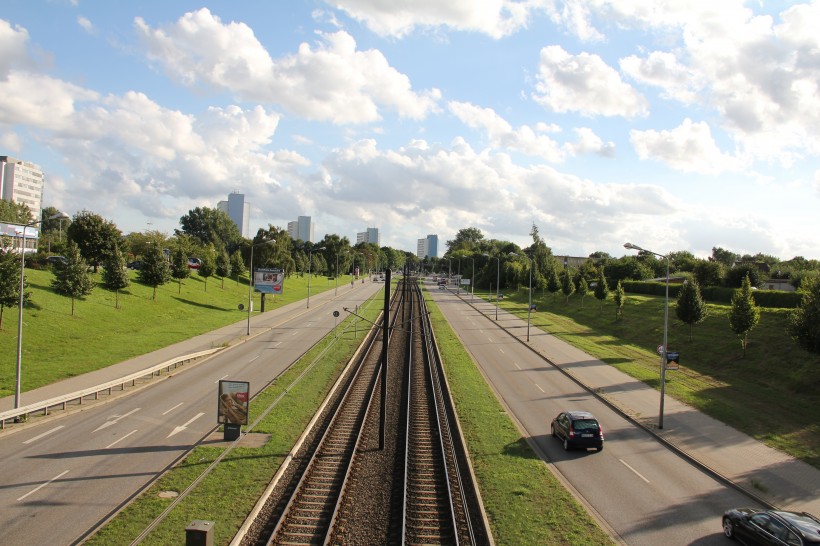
column 22, row 182
column 239, row 212
column 427, row 247
column 301, row 228
column 369, row 236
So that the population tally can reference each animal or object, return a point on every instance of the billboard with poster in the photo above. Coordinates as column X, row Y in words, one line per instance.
column 234, row 397
column 268, row 281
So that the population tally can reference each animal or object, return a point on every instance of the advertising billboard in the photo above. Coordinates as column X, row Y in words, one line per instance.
column 234, row 397
column 268, row 281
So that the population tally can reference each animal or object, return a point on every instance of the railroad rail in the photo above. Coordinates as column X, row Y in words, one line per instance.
column 357, row 485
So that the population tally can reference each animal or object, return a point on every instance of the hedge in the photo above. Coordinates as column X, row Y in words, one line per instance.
column 717, row 294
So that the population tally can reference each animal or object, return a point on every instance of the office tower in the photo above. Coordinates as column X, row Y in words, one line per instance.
column 302, row 228
column 22, row 182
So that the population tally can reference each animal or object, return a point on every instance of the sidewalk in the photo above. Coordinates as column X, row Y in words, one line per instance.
column 766, row 473
column 227, row 335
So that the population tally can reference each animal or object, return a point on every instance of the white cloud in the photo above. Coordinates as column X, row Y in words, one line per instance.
column 590, row 143
column 331, row 81
column 496, row 18
column 40, row 101
column 663, row 70
column 86, row 25
column 584, row 83
column 688, row 148
column 13, row 42
column 501, row 134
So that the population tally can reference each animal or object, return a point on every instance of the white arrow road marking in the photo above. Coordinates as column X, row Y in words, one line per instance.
column 121, row 439
column 116, row 420
column 43, row 435
column 179, row 429
column 57, row 477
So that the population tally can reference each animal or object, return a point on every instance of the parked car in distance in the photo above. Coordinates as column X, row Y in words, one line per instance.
column 57, row 260
column 754, row 526
column 194, row 263
column 578, row 429
column 136, row 264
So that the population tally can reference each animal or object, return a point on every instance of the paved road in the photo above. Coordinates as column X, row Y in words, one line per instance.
column 64, row 476
column 643, row 491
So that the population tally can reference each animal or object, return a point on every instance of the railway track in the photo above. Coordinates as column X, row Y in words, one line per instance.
column 396, row 473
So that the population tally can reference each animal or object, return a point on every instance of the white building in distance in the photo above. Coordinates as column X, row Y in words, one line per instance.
column 427, row 247
column 302, row 228
column 22, row 182
column 239, row 212
column 369, row 236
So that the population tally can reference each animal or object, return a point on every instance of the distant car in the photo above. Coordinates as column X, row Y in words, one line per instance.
column 57, row 260
column 756, row 526
column 136, row 264
column 194, row 263
column 578, row 429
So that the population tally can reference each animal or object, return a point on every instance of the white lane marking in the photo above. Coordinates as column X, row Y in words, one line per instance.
column 539, row 388
column 116, row 420
column 254, row 358
column 502, row 350
column 294, row 333
column 172, row 409
column 109, row 446
column 220, row 379
column 180, row 428
column 633, row 470
column 277, row 344
column 43, row 435
column 516, row 365
column 57, row 477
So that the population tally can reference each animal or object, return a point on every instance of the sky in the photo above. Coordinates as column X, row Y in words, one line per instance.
column 676, row 126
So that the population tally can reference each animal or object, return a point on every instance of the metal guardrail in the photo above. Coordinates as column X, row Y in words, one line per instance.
column 78, row 396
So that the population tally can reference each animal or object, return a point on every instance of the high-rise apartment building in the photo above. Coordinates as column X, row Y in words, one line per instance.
column 369, row 236
column 22, row 182
column 239, row 212
column 301, row 229
column 427, row 247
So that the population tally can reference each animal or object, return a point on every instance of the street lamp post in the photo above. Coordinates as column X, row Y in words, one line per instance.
column 630, row 246
column 497, row 281
column 310, row 263
column 529, row 305
column 250, row 280
column 472, row 280
column 18, row 381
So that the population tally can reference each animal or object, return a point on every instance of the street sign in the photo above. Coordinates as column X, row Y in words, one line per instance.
column 672, row 360
column 660, row 349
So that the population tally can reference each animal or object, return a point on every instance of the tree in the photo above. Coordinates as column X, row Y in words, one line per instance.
column 744, row 315
column 583, row 290
column 553, row 282
column 691, row 308
column 179, row 266
column 155, row 270
column 94, row 236
column 567, row 284
column 709, row 273
column 223, row 265
column 735, row 276
column 619, row 297
column 466, row 239
column 724, row 257
column 15, row 213
column 211, row 226
column 208, row 266
column 237, row 265
column 601, row 289
column 72, row 278
column 804, row 322
column 10, row 283
column 115, row 274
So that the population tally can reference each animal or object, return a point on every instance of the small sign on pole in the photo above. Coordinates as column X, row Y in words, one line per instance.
column 672, row 360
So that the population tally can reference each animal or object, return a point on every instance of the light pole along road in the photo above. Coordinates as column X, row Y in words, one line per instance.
column 640, row 491
column 62, row 477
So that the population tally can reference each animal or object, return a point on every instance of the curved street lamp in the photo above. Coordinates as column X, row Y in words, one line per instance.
column 18, row 382
column 250, row 280
column 529, row 305
column 310, row 263
column 630, row 246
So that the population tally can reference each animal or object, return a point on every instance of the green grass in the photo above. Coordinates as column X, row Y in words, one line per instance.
column 57, row 346
column 525, row 503
column 772, row 393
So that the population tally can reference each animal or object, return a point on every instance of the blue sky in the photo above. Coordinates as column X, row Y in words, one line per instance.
column 672, row 125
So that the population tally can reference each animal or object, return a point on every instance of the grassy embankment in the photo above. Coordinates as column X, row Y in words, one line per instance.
column 772, row 393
